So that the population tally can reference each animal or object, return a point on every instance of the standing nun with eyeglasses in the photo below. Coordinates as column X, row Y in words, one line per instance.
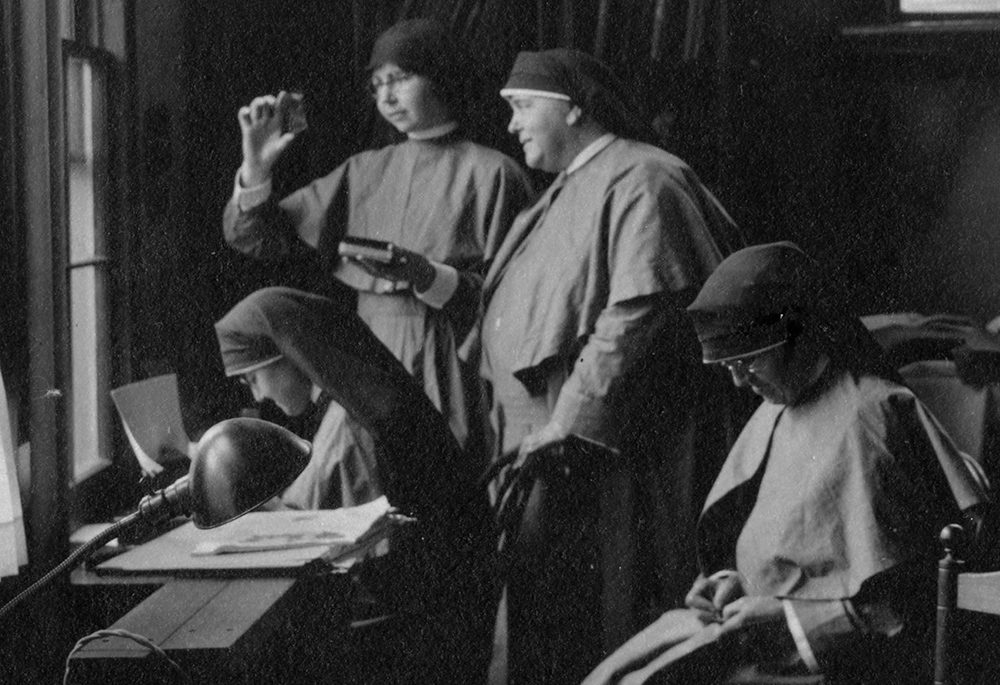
column 442, row 201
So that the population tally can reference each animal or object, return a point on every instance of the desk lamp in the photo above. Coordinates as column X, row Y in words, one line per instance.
column 238, row 465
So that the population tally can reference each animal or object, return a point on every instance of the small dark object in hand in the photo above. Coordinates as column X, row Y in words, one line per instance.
column 365, row 248
column 293, row 114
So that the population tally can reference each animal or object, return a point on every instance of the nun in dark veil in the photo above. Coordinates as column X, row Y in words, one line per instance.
column 817, row 544
column 434, row 592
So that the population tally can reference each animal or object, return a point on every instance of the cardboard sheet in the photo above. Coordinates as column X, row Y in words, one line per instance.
column 151, row 413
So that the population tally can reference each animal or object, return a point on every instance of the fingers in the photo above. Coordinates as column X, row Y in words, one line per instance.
column 261, row 110
column 699, row 603
column 373, row 268
column 728, row 588
column 696, row 598
column 733, row 608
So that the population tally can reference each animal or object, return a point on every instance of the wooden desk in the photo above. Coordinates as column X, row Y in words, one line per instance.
column 228, row 631
column 272, row 616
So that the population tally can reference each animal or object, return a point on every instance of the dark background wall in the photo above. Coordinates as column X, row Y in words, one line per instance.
column 878, row 152
column 879, row 155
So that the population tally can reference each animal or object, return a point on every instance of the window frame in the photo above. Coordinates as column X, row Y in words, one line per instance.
column 89, row 453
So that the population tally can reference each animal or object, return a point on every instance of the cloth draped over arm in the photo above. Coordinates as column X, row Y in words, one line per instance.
column 636, row 234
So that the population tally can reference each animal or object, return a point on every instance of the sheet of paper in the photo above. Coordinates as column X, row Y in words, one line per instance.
column 295, row 539
column 151, row 414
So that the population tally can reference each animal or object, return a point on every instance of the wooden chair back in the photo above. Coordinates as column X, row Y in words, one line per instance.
column 960, row 590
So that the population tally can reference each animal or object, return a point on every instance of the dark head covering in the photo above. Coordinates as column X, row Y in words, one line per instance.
column 425, row 47
column 331, row 345
column 569, row 74
column 745, row 304
column 243, row 353
column 762, row 296
column 423, row 470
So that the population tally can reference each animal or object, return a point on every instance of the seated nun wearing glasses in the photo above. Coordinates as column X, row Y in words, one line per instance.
column 298, row 349
column 818, row 543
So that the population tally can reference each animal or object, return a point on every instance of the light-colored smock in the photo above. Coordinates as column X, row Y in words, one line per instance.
column 584, row 325
column 342, row 469
column 447, row 199
column 835, row 506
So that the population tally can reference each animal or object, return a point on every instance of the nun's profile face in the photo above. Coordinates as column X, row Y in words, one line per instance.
column 765, row 373
column 780, row 375
column 542, row 126
column 407, row 100
column 283, row 383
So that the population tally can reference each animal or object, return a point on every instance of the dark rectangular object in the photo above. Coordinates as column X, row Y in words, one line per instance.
column 377, row 250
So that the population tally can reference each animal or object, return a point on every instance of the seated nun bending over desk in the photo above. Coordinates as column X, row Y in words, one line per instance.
column 818, row 543
column 297, row 348
column 342, row 470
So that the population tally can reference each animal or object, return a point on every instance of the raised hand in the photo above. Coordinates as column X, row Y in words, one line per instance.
column 263, row 138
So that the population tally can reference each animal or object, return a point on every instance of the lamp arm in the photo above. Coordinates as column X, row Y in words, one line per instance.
column 170, row 501
column 247, row 457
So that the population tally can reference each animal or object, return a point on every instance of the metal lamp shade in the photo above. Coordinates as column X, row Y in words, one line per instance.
column 239, row 464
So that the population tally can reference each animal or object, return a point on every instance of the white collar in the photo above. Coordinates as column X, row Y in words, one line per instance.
column 589, row 152
column 315, row 393
column 434, row 131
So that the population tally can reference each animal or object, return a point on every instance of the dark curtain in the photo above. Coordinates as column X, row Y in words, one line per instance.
column 671, row 52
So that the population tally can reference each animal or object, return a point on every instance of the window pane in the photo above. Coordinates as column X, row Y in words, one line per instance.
column 67, row 19
column 949, row 6
column 88, row 342
column 85, row 155
column 82, row 111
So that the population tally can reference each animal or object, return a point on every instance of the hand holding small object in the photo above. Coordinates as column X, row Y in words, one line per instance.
column 264, row 139
column 709, row 596
column 548, row 434
column 405, row 266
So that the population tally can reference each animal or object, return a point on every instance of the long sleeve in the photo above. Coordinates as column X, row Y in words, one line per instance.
column 622, row 336
column 651, row 228
column 342, row 470
column 273, row 229
column 890, row 606
column 509, row 193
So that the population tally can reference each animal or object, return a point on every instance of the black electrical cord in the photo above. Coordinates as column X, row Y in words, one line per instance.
column 69, row 562
column 135, row 637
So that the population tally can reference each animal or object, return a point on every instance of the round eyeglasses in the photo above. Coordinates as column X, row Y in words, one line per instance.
column 745, row 366
column 392, row 81
column 741, row 367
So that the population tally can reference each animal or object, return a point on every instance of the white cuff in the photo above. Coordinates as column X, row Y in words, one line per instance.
column 799, row 635
column 443, row 286
column 248, row 198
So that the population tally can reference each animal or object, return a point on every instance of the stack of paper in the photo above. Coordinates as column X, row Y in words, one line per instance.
column 261, row 541
column 337, row 530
